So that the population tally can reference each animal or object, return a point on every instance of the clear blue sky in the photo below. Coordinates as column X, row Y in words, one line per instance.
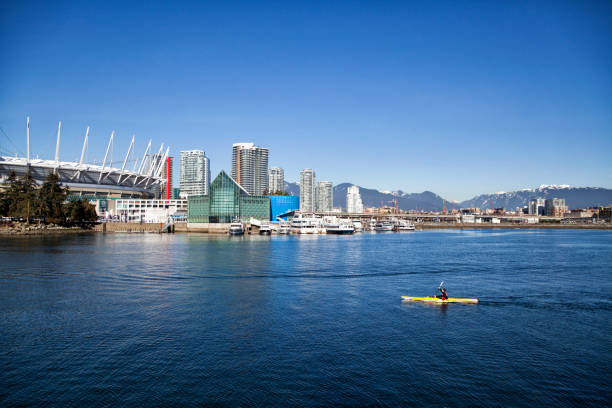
column 459, row 98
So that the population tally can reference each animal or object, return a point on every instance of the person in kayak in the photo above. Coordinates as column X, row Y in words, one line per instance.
column 443, row 295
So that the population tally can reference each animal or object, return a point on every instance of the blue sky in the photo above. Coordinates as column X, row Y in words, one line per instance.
column 459, row 98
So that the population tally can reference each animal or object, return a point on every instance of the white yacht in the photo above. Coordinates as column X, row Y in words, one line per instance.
column 405, row 226
column 284, row 229
column 383, row 226
column 372, row 224
column 236, row 228
column 358, row 226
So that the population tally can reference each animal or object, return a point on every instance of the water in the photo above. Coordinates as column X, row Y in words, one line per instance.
column 163, row 320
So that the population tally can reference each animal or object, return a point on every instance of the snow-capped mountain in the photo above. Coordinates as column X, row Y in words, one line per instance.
column 575, row 197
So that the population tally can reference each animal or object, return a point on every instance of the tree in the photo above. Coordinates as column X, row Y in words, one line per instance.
column 8, row 194
column 51, row 197
column 22, row 196
column 80, row 211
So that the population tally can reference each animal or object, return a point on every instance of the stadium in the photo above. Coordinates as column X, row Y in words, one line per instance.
column 144, row 180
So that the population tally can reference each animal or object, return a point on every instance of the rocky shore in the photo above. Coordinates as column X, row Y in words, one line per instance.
column 23, row 228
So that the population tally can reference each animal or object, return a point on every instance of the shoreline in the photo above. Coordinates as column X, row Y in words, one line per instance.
column 133, row 228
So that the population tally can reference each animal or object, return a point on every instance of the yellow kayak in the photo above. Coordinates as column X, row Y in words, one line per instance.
column 438, row 300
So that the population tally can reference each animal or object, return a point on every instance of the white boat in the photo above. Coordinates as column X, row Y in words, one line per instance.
column 358, row 226
column 342, row 227
column 305, row 224
column 284, row 229
column 383, row 227
column 372, row 224
column 265, row 229
column 405, row 226
column 236, row 228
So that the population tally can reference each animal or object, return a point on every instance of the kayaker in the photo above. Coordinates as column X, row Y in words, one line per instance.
column 443, row 294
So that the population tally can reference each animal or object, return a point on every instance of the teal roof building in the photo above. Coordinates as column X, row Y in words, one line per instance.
column 226, row 201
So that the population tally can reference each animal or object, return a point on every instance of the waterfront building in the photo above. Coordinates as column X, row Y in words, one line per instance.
column 537, row 206
column 354, row 205
column 250, row 167
column 281, row 206
column 176, row 192
column 555, row 207
column 307, row 190
column 146, row 211
column 195, row 173
column 325, row 196
column 276, row 180
column 226, row 201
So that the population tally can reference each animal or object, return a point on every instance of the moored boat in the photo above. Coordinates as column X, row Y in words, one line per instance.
column 236, row 228
column 340, row 228
column 383, row 227
column 265, row 229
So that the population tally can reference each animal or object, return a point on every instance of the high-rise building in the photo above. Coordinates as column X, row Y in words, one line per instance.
column 276, row 180
column 195, row 173
column 555, row 207
column 250, row 167
column 537, row 206
column 354, row 205
column 325, row 196
column 166, row 173
column 307, row 190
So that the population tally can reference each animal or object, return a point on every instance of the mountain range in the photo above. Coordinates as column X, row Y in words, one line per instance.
column 575, row 197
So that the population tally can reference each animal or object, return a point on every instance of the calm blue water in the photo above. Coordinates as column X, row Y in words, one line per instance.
column 162, row 320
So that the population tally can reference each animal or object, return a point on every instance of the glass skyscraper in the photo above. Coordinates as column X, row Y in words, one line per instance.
column 195, row 173
column 250, row 167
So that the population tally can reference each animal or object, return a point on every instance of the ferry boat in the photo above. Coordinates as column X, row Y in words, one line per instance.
column 305, row 224
column 236, row 228
column 383, row 227
column 340, row 228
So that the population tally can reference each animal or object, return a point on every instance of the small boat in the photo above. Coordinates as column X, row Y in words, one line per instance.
column 432, row 299
column 236, row 228
column 284, row 229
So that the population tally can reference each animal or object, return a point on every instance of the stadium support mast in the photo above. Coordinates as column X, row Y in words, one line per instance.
column 110, row 142
column 144, row 157
column 126, row 159
column 28, row 139
column 84, row 146
column 57, row 144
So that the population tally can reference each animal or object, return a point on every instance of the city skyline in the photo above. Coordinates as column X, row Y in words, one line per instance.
column 500, row 107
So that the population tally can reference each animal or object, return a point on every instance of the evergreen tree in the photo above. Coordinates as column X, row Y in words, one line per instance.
column 81, row 211
column 8, row 194
column 51, row 197
column 22, row 197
